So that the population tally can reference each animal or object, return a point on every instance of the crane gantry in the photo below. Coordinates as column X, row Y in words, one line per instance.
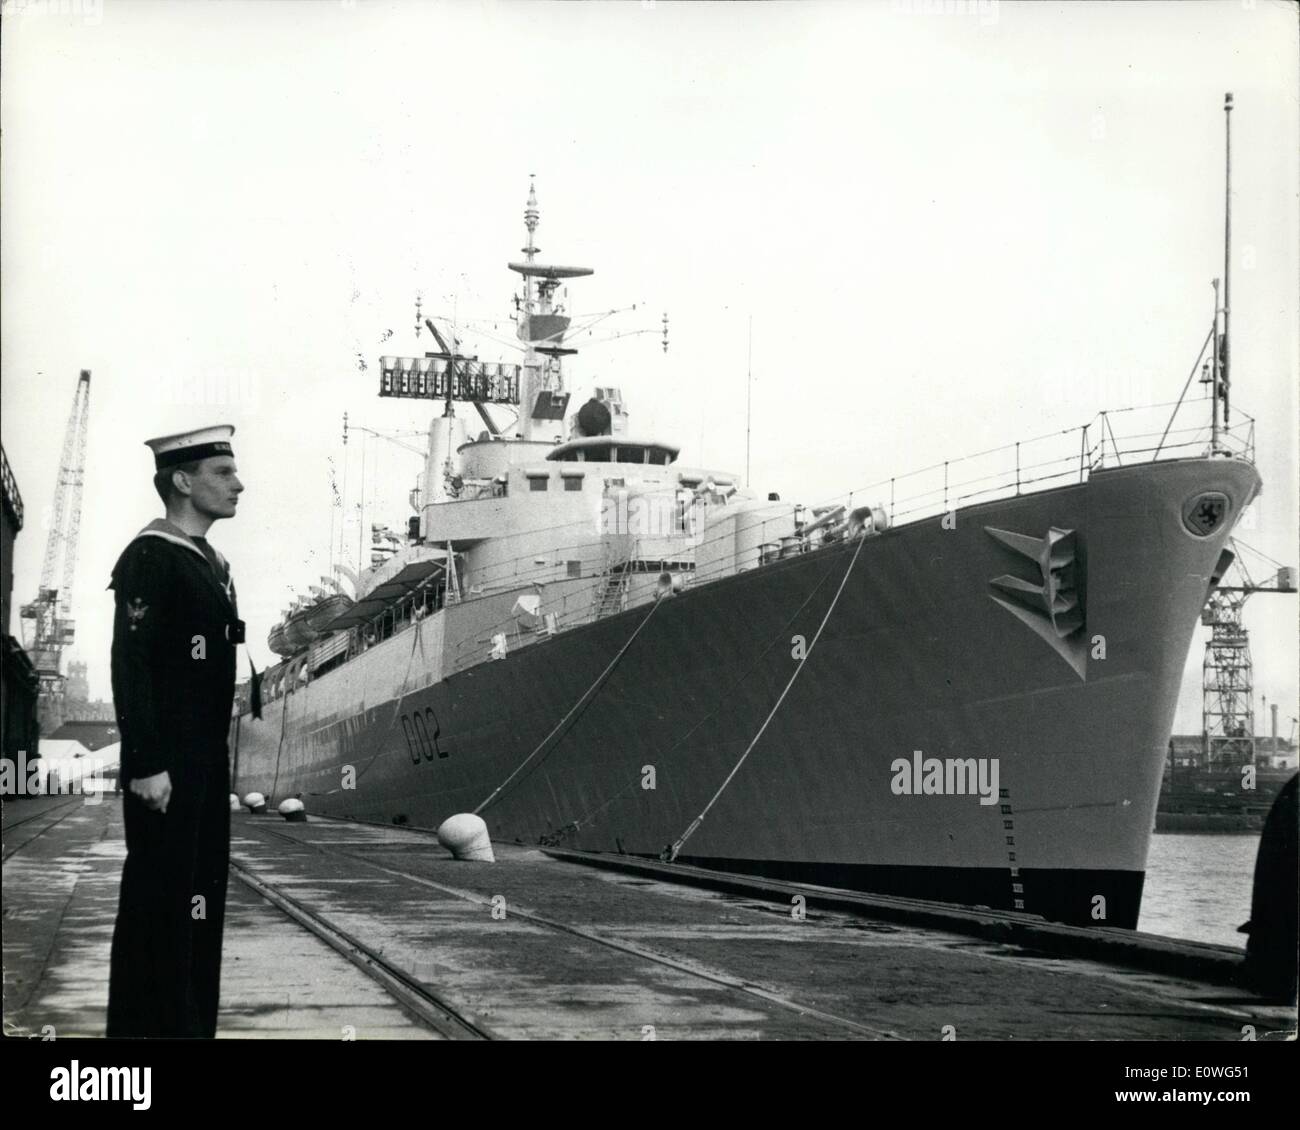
column 1228, row 712
column 53, row 627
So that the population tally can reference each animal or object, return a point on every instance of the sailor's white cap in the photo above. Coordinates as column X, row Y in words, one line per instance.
column 186, row 447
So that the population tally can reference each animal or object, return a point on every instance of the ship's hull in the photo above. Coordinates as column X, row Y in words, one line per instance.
column 922, row 651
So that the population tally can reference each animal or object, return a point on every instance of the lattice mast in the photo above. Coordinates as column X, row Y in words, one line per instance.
column 1227, row 713
column 51, row 612
column 1228, row 689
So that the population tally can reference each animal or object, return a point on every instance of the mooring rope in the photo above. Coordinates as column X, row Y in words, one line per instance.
column 723, row 699
column 670, row 853
column 496, row 793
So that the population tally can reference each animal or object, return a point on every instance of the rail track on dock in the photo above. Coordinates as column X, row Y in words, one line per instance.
column 416, row 998
column 410, row 992
column 48, row 816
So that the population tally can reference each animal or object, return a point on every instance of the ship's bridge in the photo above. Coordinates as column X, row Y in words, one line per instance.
column 614, row 449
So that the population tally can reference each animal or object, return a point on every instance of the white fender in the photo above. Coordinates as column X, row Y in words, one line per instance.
column 293, row 810
column 466, row 837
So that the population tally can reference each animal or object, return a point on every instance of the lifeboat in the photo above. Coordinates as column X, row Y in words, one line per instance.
column 306, row 624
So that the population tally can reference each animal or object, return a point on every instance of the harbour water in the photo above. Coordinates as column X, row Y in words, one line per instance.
column 1198, row 886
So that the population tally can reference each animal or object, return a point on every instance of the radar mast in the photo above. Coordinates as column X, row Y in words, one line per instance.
column 542, row 326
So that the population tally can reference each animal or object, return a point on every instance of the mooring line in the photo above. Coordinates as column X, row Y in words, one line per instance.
column 670, row 853
column 492, row 797
column 722, row 700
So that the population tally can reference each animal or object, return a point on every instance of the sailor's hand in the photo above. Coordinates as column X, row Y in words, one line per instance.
column 155, row 791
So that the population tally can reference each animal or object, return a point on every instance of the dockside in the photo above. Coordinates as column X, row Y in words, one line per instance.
column 341, row 930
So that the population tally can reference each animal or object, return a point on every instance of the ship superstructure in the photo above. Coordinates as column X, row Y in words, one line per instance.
column 591, row 643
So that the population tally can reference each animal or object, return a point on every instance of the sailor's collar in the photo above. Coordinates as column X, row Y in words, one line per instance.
column 169, row 531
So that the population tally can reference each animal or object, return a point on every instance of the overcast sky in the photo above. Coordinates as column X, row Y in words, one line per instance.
column 953, row 226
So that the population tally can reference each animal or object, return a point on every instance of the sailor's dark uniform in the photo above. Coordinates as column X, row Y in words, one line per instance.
column 174, row 639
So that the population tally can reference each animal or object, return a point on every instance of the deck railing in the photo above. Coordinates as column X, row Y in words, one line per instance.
column 1109, row 439
column 1055, row 459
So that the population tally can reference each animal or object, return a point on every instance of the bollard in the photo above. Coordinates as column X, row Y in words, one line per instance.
column 466, row 837
column 293, row 810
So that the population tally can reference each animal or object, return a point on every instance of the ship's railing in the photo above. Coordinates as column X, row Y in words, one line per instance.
column 590, row 554
column 1055, row 459
column 567, row 610
column 1118, row 438
column 579, row 603
column 1110, row 439
column 525, row 569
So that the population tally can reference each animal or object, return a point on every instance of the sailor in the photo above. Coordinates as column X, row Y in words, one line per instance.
column 174, row 638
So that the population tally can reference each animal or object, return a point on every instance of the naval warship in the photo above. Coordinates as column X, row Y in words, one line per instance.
column 594, row 645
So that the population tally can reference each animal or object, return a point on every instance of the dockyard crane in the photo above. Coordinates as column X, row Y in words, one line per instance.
column 50, row 614
column 1228, row 712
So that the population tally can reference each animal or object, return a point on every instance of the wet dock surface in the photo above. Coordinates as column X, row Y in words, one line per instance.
column 60, row 889
column 389, row 938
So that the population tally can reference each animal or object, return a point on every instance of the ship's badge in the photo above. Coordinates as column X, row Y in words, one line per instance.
column 135, row 611
column 1204, row 514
